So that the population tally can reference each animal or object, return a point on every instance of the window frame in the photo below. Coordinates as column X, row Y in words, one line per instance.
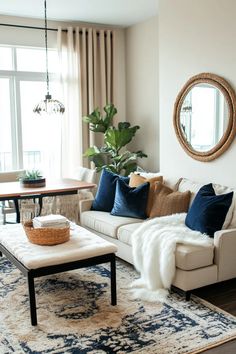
column 15, row 78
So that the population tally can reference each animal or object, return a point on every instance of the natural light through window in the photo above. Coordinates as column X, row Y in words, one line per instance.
column 6, row 58
column 5, row 124
column 34, row 60
column 28, row 141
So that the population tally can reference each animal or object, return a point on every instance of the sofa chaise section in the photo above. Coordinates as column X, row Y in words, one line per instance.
column 196, row 266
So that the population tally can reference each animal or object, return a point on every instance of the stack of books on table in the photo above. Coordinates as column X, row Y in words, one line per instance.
column 51, row 221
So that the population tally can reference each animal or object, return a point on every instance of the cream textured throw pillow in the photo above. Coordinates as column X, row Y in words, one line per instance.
column 137, row 180
column 167, row 202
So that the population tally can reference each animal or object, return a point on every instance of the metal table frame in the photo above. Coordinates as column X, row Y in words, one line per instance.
column 61, row 187
column 39, row 272
column 35, row 196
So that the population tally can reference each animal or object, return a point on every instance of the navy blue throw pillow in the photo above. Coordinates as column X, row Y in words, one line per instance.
column 208, row 210
column 105, row 196
column 130, row 201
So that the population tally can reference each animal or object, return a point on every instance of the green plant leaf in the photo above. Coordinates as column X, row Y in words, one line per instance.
column 123, row 125
column 93, row 118
column 97, row 123
column 98, row 128
column 97, row 156
column 126, row 159
column 31, row 175
column 115, row 139
column 99, row 160
column 91, row 151
column 130, row 168
column 112, row 168
column 108, row 156
column 110, row 111
column 141, row 154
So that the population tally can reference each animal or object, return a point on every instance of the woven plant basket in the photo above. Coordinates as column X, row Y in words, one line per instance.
column 46, row 236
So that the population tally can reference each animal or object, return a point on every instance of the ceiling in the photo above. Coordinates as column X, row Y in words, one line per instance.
column 111, row 12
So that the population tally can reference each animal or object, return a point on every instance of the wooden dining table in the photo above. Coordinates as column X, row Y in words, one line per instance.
column 14, row 191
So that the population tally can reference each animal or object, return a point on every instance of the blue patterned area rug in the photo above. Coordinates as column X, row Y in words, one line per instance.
column 75, row 316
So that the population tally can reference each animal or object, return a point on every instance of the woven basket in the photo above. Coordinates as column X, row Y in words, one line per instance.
column 46, row 236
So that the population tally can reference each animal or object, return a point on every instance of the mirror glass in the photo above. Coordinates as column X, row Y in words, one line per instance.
column 204, row 117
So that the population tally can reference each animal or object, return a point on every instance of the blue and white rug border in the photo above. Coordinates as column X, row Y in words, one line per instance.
column 217, row 309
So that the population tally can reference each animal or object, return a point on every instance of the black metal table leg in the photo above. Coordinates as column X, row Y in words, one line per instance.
column 58, row 268
column 17, row 210
column 113, row 281
column 40, row 198
column 32, row 301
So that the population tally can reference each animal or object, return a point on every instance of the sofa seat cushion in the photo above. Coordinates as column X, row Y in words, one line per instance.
column 188, row 257
column 125, row 231
column 104, row 222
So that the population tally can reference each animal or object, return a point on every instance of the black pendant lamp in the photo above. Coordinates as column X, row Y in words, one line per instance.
column 49, row 105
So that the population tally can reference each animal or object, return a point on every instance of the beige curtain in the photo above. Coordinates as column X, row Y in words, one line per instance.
column 86, row 57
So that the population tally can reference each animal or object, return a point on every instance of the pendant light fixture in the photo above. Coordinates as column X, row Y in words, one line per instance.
column 49, row 105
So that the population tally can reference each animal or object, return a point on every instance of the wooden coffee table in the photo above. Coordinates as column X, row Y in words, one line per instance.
column 84, row 249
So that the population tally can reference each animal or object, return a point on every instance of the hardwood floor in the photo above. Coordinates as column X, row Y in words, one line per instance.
column 222, row 295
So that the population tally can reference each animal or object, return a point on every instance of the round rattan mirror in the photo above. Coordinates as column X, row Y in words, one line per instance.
column 205, row 116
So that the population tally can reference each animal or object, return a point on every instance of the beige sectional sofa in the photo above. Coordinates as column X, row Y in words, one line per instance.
column 196, row 266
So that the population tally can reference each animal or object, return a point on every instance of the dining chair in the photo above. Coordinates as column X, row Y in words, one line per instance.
column 69, row 205
column 8, row 207
column 28, row 207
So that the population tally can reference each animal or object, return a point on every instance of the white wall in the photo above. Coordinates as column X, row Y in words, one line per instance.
column 194, row 37
column 142, row 89
column 27, row 37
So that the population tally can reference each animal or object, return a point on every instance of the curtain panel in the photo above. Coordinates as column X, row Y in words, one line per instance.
column 86, row 59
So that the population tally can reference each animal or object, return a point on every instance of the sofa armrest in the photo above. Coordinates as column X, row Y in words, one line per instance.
column 225, row 253
column 85, row 205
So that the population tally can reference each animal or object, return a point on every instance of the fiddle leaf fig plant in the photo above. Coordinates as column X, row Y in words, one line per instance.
column 97, row 122
column 113, row 156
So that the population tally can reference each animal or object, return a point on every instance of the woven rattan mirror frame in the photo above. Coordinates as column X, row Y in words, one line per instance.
column 230, row 132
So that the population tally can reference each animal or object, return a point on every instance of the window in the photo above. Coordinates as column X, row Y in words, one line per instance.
column 5, row 124
column 26, row 140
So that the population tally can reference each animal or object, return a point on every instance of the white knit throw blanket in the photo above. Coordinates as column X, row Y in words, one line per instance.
column 153, row 245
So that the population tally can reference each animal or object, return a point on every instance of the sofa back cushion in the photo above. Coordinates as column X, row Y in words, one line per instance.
column 130, row 202
column 136, row 180
column 167, row 202
column 105, row 195
column 185, row 184
column 169, row 181
column 208, row 210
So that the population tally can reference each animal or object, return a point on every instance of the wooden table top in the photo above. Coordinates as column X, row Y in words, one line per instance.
column 14, row 189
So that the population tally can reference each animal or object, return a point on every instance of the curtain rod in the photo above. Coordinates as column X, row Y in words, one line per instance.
column 30, row 27
column 38, row 28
